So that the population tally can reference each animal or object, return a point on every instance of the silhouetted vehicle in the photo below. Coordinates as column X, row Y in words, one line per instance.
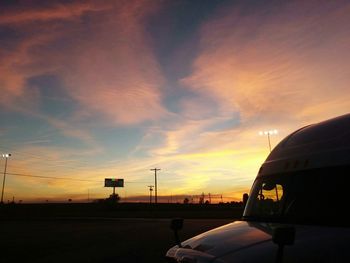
column 297, row 207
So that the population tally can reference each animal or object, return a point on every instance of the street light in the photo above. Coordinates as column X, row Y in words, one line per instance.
column 268, row 133
column 6, row 156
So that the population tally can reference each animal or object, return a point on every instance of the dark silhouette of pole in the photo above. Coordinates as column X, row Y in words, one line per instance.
column 155, row 184
column 268, row 137
column 7, row 155
column 150, row 193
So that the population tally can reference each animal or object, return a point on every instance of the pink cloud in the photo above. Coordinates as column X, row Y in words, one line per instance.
column 115, row 73
column 295, row 60
column 54, row 12
column 109, row 69
column 18, row 65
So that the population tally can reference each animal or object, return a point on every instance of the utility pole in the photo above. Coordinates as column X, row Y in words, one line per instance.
column 155, row 184
column 6, row 156
column 150, row 193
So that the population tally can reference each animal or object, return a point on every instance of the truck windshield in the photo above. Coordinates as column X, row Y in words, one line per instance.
column 318, row 197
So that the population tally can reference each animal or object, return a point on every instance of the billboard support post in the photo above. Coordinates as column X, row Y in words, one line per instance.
column 114, row 182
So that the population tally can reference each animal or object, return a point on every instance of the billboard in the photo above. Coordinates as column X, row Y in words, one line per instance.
column 113, row 182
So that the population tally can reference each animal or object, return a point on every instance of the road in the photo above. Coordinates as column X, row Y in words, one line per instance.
column 93, row 240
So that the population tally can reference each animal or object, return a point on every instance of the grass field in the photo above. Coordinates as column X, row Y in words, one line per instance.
column 93, row 239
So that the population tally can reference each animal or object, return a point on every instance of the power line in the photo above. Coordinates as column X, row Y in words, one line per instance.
column 39, row 157
column 66, row 178
column 52, row 163
column 50, row 169
column 53, row 177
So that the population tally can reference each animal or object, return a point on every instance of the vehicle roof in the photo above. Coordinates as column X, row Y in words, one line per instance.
column 324, row 144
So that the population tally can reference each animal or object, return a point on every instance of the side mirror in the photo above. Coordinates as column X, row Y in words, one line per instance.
column 269, row 186
column 283, row 236
column 176, row 225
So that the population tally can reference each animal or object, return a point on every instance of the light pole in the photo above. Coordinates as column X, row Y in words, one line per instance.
column 268, row 133
column 155, row 183
column 150, row 193
column 6, row 156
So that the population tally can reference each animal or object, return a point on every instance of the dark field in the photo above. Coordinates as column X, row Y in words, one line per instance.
column 93, row 240
column 101, row 232
column 122, row 210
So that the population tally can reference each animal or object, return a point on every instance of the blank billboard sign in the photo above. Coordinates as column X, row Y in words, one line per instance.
column 113, row 182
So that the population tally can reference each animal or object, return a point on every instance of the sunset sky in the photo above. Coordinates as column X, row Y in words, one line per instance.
column 101, row 89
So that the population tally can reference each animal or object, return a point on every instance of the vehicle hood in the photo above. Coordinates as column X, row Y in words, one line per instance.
column 243, row 240
column 223, row 240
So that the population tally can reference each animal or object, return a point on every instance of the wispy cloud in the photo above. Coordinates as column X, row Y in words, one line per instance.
column 114, row 71
column 255, row 71
column 275, row 65
column 110, row 70
column 50, row 11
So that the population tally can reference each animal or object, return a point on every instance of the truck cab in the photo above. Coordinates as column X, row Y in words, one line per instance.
column 297, row 206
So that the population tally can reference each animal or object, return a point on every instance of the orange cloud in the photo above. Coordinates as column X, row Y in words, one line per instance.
column 51, row 161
